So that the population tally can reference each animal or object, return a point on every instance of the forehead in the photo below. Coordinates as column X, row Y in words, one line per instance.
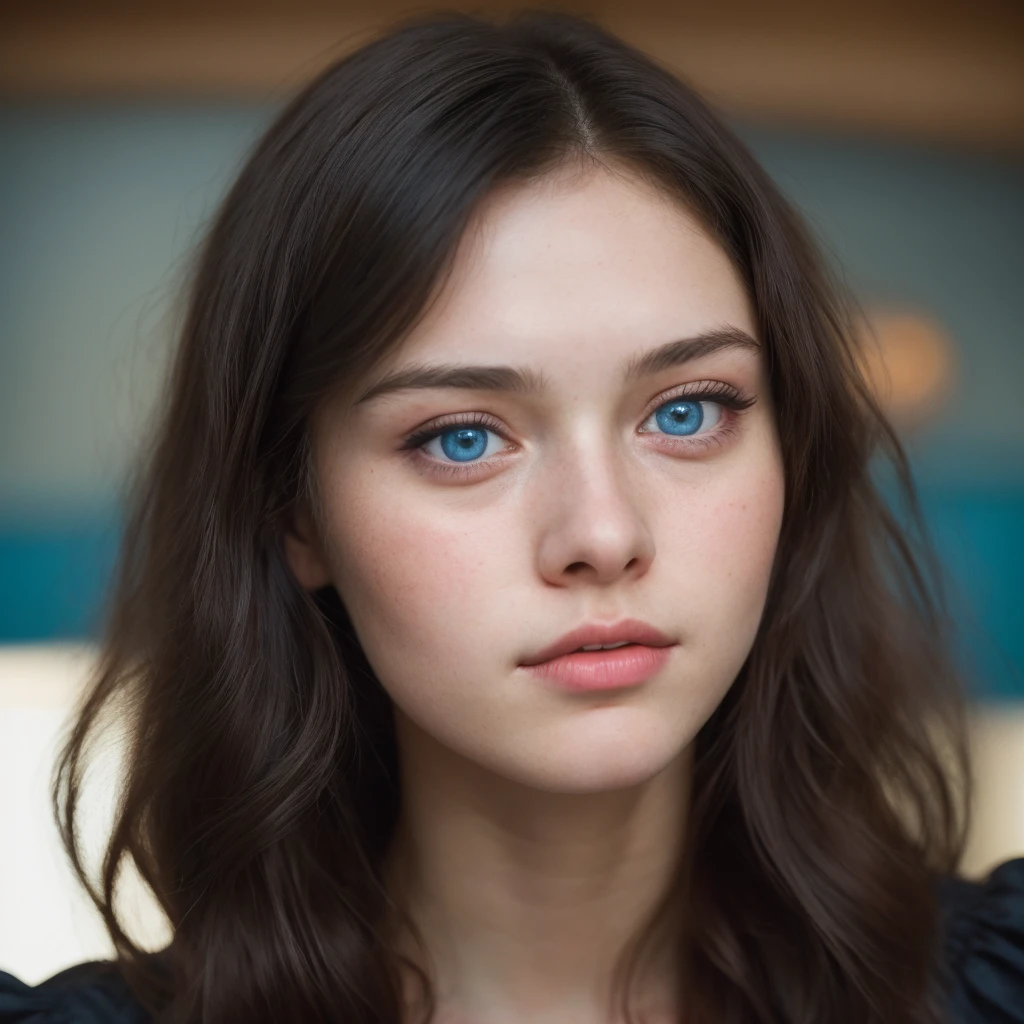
column 574, row 264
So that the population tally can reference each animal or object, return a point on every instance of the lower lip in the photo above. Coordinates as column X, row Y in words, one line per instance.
column 585, row 671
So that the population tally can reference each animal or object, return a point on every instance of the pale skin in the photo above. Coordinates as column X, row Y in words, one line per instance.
column 539, row 828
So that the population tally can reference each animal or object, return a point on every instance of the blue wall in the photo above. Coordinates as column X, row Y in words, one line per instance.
column 100, row 205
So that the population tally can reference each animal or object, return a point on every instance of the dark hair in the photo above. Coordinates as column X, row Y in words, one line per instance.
column 261, row 791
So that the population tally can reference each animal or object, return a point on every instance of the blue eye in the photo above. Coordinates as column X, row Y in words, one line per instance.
column 682, row 417
column 464, row 443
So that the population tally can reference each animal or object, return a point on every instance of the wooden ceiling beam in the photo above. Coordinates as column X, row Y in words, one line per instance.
column 961, row 88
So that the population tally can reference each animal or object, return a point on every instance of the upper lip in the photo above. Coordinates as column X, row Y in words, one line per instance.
column 624, row 631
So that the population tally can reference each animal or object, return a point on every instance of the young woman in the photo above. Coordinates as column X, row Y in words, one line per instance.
column 502, row 351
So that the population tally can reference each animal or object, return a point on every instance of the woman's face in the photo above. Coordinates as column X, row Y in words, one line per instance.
column 598, row 495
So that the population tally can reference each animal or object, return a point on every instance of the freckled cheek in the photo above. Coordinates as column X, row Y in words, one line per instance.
column 413, row 571
column 724, row 546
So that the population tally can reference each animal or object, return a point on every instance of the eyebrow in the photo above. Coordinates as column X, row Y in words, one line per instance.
column 528, row 382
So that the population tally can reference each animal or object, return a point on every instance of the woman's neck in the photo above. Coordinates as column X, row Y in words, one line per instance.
column 525, row 900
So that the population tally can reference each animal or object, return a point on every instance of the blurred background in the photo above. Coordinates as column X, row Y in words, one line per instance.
column 897, row 127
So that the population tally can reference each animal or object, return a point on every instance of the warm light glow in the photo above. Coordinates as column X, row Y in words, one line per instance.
column 909, row 360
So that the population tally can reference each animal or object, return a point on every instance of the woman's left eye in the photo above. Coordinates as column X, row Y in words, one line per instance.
column 684, row 417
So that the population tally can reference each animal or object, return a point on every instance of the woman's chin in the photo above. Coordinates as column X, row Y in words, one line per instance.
column 592, row 768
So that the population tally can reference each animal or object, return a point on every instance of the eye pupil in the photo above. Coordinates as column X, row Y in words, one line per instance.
column 680, row 417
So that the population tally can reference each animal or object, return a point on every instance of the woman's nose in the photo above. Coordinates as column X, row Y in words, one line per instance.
column 590, row 521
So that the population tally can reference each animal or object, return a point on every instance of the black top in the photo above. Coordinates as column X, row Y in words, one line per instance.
column 983, row 957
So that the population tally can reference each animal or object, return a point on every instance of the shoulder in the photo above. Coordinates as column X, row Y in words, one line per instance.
column 88, row 993
column 983, row 945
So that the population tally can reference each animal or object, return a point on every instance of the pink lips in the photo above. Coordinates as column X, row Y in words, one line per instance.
column 564, row 665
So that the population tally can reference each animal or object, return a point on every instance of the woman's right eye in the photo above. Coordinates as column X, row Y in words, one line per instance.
column 457, row 447
column 464, row 443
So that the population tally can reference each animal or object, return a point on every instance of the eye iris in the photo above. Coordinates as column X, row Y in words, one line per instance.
column 680, row 417
column 464, row 444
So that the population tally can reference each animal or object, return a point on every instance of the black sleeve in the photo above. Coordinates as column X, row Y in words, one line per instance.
column 88, row 993
column 984, row 946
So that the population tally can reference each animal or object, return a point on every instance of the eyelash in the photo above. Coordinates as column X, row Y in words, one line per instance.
column 725, row 395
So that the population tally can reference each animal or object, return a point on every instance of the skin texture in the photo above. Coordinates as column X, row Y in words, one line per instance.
column 538, row 827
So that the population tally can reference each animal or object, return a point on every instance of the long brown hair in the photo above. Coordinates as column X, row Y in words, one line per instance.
column 261, row 790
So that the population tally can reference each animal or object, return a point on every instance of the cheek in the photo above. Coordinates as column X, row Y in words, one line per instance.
column 415, row 578
column 725, row 554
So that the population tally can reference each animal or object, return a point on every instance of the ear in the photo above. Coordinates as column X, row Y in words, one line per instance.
column 304, row 549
